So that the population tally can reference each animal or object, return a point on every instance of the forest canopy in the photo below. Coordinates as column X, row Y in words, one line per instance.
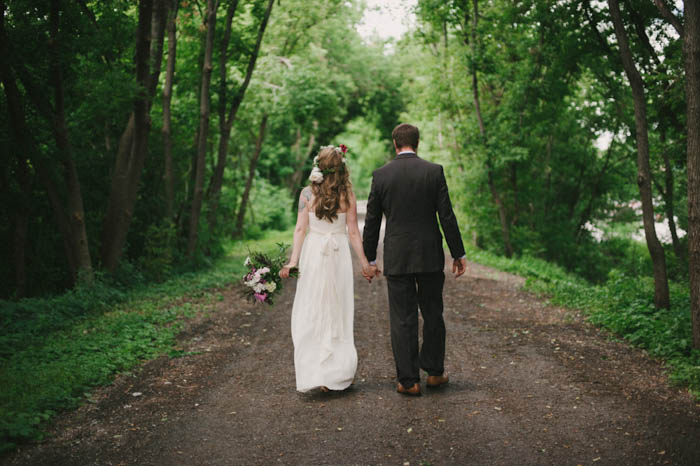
column 140, row 138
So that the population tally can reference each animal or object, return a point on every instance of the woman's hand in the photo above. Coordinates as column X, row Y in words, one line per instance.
column 284, row 271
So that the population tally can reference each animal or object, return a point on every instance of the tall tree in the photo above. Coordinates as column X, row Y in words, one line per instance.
column 76, row 210
column 132, row 150
column 71, row 218
column 661, row 293
column 226, row 120
column 203, row 129
column 168, row 175
column 24, row 147
column 502, row 214
column 691, row 50
column 240, row 216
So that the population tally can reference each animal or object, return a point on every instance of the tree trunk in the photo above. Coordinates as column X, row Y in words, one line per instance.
column 661, row 293
column 225, row 129
column 22, row 228
column 240, row 217
column 132, row 151
column 76, row 212
column 217, row 177
column 667, row 193
column 61, row 219
column 502, row 215
column 27, row 147
column 691, row 49
column 23, row 149
column 595, row 191
column 301, row 158
column 167, row 116
column 203, row 131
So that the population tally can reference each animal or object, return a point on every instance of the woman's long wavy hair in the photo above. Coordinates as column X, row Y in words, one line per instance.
column 335, row 188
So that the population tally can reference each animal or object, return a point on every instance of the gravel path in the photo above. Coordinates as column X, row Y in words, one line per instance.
column 530, row 384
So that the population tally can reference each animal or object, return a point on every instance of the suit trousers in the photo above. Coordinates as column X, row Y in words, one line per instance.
column 408, row 293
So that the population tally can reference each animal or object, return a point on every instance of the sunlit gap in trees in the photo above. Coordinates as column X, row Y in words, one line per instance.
column 387, row 20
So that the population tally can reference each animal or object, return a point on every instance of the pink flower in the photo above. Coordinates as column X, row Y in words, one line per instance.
column 343, row 148
column 261, row 297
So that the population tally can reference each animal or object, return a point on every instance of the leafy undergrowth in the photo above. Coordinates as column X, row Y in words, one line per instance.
column 54, row 350
column 623, row 304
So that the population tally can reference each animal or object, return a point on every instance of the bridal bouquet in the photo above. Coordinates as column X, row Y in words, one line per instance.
column 262, row 280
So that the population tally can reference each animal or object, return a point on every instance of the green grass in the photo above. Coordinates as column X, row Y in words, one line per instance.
column 623, row 304
column 53, row 351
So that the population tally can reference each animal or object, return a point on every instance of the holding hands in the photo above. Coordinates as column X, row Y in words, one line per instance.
column 370, row 271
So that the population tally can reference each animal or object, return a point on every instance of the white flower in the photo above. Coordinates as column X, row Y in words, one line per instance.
column 247, row 261
column 259, row 288
column 316, row 175
column 263, row 271
column 271, row 286
column 344, row 161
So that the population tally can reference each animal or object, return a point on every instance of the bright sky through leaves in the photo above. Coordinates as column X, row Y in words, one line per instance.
column 387, row 18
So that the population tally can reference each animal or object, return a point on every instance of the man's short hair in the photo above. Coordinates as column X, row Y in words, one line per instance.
column 406, row 135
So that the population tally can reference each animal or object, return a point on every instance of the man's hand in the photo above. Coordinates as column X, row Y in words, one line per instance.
column 369, row 272
column 459, row 266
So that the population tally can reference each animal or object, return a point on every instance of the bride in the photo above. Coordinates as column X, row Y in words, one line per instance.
column 322, row 315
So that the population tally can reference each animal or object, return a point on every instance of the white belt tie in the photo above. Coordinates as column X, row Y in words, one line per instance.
column 329, row 242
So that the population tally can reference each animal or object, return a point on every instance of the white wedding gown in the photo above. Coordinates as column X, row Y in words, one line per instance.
column 322, row 316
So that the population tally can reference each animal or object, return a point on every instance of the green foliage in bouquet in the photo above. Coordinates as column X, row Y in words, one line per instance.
column 262, row 280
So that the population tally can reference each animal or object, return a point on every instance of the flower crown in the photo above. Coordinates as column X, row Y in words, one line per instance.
column 317, row 174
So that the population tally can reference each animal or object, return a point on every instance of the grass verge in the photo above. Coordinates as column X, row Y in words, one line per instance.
column 623, row 305
column 53, row 351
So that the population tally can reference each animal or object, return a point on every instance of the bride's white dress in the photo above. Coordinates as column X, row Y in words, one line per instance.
column 322, row 316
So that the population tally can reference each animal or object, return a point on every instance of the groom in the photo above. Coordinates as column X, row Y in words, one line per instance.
column 410, row 191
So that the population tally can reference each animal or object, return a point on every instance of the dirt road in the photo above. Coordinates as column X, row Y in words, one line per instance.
column 530, row 385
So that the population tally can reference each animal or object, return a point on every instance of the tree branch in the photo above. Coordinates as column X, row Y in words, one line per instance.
column 669, row 16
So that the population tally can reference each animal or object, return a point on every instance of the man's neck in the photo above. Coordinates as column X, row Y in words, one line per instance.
column 405, row 149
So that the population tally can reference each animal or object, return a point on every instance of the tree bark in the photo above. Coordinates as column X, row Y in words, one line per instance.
column 240, row 217
column 667, row 193
column 301, row 158
column 691, row 52
column 168, row 176
column 203, row 130
column 22, row 228
column 670, row 17
column 132, row 150
column 217, row 177
column 76, row 211
column 225, row 128
column 661, row 293
column 27, row 147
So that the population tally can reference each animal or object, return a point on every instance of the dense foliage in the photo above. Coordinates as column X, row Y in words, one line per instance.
column 312, row 75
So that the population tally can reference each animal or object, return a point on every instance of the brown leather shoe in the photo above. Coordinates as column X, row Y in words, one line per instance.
column 434, row 381
column 413, row 391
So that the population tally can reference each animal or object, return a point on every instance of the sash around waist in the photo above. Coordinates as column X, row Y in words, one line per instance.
column 329, row 241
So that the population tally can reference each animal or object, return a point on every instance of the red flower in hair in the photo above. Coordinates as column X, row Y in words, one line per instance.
column 343, row 148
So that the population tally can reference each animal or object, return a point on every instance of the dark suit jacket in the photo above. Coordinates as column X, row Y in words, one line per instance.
column 410, row 191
